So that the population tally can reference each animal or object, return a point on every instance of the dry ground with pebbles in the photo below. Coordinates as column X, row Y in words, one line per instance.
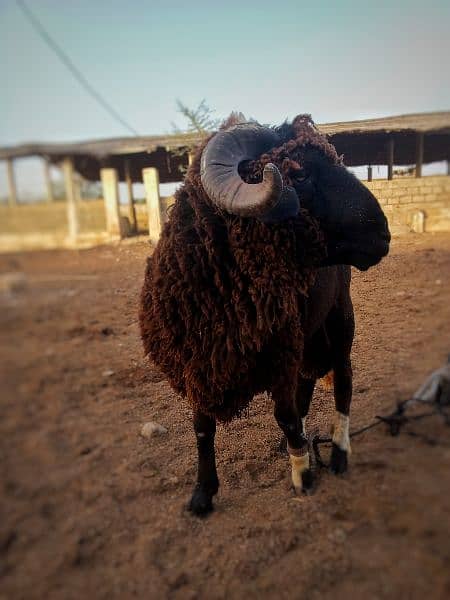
column 91, row 509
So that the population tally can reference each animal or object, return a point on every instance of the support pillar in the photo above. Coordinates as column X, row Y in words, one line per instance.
column 390, row 158
column 12, row 190
column 48, row 180
column 419, row 154
column 369, row 173
column 72, row 212
column 155, row 217
column 131, row 207
column 110, row 185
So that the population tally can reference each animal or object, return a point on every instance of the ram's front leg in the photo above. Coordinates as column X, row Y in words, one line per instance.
column 290, row 423
column 341, row 434
column 207, row 481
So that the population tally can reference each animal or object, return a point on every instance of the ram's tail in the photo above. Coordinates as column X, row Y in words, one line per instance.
column 327, row 381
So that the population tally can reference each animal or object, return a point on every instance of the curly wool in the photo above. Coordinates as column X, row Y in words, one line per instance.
column 289, row 156
column 221, row 305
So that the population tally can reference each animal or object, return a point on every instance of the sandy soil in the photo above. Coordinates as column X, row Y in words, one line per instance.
column 88, row 507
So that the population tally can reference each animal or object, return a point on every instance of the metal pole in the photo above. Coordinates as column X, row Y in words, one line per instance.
column 48, row 180
column 131, row 207
column 390, row 158
column 12, row 190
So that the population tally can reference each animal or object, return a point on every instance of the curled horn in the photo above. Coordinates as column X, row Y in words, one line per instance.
column 225, row 187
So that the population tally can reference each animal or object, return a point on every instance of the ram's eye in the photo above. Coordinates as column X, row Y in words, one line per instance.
column 301, row 177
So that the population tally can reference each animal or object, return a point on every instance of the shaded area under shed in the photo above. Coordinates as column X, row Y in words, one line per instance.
column 405, row 139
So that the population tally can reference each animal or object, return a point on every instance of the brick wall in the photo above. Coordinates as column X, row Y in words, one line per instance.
column 403, row 200
column 51, row 217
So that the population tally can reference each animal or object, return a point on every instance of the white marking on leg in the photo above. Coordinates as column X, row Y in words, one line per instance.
column 299, row 464
column 304, row 426
column 341, row 433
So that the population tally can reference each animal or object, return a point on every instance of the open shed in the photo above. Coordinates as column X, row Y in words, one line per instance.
column 404, row 139
column 414, row 139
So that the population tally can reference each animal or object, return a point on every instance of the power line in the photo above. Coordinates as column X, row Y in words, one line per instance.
column 67, row 62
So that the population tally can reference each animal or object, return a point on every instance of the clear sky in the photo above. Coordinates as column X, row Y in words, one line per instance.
column 269, row 59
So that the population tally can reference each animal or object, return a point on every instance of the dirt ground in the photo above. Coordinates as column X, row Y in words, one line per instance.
column 91, row 509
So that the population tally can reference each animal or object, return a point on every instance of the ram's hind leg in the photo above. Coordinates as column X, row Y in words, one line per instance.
column 305, row 390
column 290, row 423
column 341, row 435
column 207, row 481
column 341, row 330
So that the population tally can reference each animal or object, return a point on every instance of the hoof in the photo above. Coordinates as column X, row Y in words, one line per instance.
column 307, row 481
column 201, row 502
column 338, row 462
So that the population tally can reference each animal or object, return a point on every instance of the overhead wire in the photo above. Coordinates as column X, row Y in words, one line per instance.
column 69, row 64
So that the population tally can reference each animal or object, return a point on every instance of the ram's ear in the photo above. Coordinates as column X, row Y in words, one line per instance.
column 287, row 208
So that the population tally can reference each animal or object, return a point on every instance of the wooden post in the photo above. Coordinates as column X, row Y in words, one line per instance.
column 72, row 212
column 48, row 180
column 419, row 154
column 155, row 218
column 131, row 208
column 110, row 185
column 390, row 158
column 369, row 173
column 12, row 190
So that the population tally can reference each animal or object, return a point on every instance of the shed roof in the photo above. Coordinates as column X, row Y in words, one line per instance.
column 361, row 142
column 419, row 122
column 102, row 148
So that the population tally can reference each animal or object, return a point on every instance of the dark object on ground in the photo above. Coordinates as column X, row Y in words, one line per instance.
column 434, row 393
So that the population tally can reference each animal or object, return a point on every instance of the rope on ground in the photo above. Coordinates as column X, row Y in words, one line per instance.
column 435, row 393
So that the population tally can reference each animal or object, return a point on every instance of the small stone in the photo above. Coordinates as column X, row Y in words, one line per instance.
column 14, row 282
column 340, row 536
column 337, row 536
column 108, row 373
column 152, row 429
column 297, row 499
